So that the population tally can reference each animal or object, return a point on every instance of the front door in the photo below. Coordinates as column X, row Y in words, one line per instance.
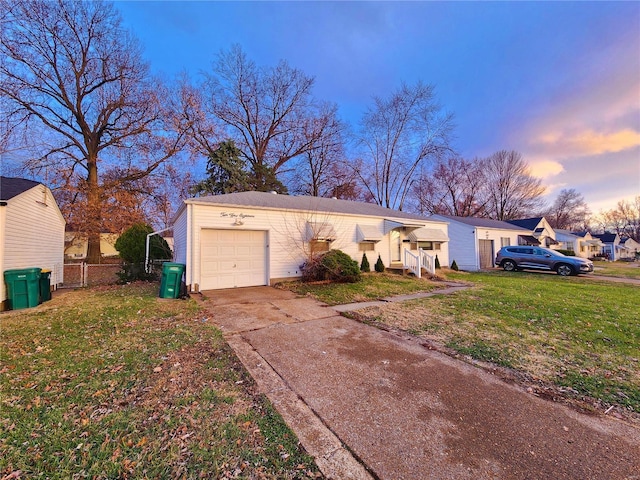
column 396, row 246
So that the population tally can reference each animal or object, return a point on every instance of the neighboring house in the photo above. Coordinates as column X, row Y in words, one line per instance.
column 256, row 238
column 582, row 244
column 474, row 242
column 31, row 230
column 631, row 248
column 76, row 245
column 543, row 235
column 611, row 248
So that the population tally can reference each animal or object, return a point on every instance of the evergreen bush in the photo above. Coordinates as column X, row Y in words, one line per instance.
column 379, row 266
column 454, row 266
column 437, row 263
column 364, row 265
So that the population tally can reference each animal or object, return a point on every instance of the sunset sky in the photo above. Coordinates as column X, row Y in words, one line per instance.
column 558, row 82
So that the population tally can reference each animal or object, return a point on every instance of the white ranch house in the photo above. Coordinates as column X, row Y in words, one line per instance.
column 255, row 238
column 475, row 241
column 631, row 248
column 582, row 244
column 31, row 230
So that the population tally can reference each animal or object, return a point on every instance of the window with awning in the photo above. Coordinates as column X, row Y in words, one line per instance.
column 528, row 240
column 368, row 233
column 428, row 235
column 320, row 231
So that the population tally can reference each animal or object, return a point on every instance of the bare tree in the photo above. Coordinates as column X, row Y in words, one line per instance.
column 624, row 219
column 569, row 211
column 203, row 135
column 454, row 187
column 319, row 171
column 70, row 69
column 266, row 110
column 399, row 134
column 513, row 191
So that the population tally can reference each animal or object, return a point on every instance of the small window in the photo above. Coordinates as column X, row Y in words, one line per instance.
column 505, row 241
column 319, row 246
column 430, row 245
column 366, row 246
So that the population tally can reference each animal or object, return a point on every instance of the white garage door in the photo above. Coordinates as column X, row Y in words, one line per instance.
column 232, row 258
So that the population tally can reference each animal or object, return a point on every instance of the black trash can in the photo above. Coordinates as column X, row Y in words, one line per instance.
column 171, row 279
column 45, row 285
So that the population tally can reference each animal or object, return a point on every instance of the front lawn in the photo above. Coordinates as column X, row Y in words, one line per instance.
column 617, row 269
column 580, row 335
column 115, row 383
column 373, row 286
column 573, row 333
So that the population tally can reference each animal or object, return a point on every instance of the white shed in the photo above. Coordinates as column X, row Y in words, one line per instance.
column 255, row 238
column 474, row 242
column 31, row 230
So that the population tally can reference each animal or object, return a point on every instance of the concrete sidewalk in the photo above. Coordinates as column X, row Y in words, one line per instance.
column 370, row 404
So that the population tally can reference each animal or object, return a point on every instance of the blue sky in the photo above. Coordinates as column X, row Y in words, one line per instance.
column 558, row 82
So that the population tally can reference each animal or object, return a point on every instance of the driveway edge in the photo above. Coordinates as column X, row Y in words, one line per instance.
column 332, row 458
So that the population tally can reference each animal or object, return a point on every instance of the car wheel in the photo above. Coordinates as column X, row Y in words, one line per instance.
column 509, row 266
column 564, row 270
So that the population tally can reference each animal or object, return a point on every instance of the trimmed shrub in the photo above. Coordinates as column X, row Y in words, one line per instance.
column 437, row 262
column 379, row 266
column 364, row 265
column 454, row 266
column 334, row 265
column 569, row 253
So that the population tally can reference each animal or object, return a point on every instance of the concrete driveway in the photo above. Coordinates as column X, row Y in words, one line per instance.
column 370, row 404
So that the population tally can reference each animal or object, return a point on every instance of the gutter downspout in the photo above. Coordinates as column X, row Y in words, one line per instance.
column 146, row 250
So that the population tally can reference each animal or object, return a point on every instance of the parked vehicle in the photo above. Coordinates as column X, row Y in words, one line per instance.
column 538, row 258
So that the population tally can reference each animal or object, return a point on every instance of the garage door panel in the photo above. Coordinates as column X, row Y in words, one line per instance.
column 232, row 258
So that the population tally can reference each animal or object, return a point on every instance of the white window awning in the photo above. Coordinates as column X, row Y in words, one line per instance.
column 320, row 231
column 596, row 243
column 393, row 224
column 368, row 233
column 428, row 235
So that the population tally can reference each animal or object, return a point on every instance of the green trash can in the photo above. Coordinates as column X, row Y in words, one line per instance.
column 45, row 285
column 23, row 287
column 171, row 279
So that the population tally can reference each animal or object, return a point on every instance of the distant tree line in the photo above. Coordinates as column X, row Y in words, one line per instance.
column 117, row 144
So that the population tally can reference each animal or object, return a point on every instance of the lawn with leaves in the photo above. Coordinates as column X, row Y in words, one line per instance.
column 373, row 286
column 575, row 333
column 116, row 383
column 617, row 269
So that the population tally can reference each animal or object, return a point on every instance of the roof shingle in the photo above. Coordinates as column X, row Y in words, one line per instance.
column 12, row 187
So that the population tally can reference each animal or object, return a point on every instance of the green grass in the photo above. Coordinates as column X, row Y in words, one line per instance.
column 617, row 269
column 373, row 286
column 115, row 383
column 572, row 332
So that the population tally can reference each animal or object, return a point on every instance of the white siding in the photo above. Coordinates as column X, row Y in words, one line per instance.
column 33, row 234
column 286, row 248
column 180, row 237
column 463, row 242
column 463, row 246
